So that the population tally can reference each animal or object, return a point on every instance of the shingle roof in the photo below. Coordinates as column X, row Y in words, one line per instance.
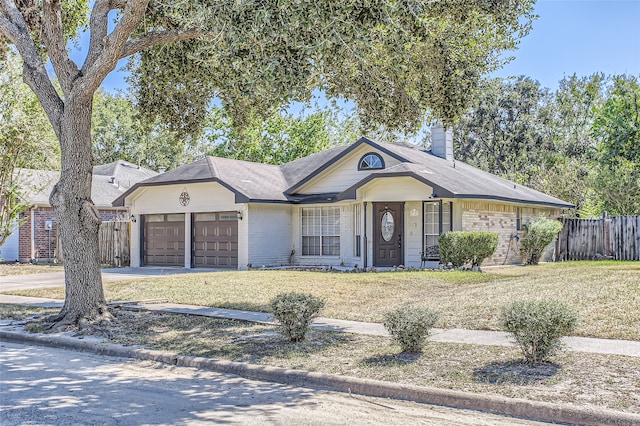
column 264, row 182
column 109, row 182
column 249, row 181
column 460, row 180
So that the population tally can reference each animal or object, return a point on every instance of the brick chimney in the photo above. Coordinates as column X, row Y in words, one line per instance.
column 442, row 142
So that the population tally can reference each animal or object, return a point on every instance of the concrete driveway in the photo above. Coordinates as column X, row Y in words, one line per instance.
column 56, row 279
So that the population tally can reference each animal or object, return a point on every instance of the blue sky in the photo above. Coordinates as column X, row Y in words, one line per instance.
column 571, row 36
column 579, row 36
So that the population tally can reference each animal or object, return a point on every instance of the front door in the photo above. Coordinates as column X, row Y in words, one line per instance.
column 388, row 248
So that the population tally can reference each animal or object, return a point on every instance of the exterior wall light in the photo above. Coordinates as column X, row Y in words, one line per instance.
column 239, row 215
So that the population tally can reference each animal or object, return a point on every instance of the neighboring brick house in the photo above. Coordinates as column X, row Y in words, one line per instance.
column 36, row 239
column 368, row 204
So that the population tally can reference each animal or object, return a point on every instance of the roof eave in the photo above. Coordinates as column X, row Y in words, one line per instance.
column 240, row 197
column 441, row 192
column 350, row 193
column 514, row 200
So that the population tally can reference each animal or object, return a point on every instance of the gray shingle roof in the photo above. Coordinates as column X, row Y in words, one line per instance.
column 264, row 182
column 460, row 180
column 109, row 182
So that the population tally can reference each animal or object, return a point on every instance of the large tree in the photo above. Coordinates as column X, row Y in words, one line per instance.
column 395, row 59
column 505, row 130
column 281, row 138
column 118, row 134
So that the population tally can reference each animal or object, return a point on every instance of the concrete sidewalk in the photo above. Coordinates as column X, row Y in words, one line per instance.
column 455, row 335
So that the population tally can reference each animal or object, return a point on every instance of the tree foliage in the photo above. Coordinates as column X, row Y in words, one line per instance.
column 505, row 130
column 117, row 133
column 618, row 122
column 26, row 141
column 394, row 59
column 280, row 138
column 579, row 144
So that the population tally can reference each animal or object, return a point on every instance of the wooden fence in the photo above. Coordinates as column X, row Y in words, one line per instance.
column 114, row 244
column 616, row 237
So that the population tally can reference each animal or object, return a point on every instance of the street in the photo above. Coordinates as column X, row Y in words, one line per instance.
column 48, row 386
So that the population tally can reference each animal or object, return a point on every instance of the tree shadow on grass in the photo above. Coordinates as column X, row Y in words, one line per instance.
column 391, row 360
column 221, row 338
column 515, row 372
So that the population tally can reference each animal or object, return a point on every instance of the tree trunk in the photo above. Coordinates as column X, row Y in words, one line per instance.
column 78, row 219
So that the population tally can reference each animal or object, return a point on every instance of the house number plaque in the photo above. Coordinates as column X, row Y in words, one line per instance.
column 184, row 198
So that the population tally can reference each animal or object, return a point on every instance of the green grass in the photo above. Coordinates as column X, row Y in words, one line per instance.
column 605, row 294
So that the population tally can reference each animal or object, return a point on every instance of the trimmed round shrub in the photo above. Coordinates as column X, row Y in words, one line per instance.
column 538, row 326
column 409, row 326
column 539, row 233
column 463, row 247
column 294, row 312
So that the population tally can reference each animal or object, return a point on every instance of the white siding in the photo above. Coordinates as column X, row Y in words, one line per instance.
column 269, row 235
column 204, row 197
column 344, row 173
column 11, row 247
column 394, row 189
column 412, row 233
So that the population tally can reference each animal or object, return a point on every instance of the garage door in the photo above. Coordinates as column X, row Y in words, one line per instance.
column 215, row 240
column 164, row 240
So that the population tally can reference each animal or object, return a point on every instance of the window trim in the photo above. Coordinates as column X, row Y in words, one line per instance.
column 441, row 229
column 382, row 166
column 321, row 236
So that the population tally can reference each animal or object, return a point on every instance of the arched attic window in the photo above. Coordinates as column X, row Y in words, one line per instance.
column 371, row 161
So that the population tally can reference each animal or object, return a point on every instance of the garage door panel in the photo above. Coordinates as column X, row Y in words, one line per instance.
column 215, row 240
column 164, row 240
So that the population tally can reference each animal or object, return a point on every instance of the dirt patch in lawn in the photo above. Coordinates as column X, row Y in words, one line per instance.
column 590, row 380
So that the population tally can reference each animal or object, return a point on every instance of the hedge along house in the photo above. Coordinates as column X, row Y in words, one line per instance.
column 369, row 204
column 37, row 237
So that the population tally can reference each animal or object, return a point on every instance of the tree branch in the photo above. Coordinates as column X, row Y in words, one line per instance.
column 13, row 16
column 34, row 73
column 53, row 37
column 99, row 26
column 106, row 60
column 156, row 38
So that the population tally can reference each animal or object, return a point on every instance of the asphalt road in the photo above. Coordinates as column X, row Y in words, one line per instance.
column 48, row 386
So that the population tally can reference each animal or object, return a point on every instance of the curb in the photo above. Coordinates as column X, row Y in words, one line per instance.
column 514, row 407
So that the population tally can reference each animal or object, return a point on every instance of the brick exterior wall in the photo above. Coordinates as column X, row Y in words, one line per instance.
column 45, row 248
column 501, row 219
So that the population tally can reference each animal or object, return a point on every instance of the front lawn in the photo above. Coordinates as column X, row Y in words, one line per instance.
column 28, row 268
column 606, row 294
